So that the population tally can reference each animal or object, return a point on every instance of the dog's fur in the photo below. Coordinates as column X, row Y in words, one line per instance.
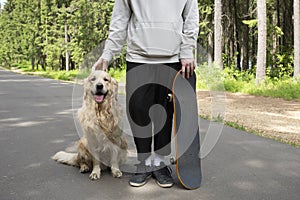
column 103, row 143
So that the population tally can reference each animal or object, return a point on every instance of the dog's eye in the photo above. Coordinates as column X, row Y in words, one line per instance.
column 106, row 79
column 93, row 78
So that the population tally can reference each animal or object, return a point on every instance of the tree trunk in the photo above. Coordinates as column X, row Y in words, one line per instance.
column 218, row 33
column 278, row 6
column 262, row 41
column 245, row 40
column 210, row 49
column 66, row 41
column 275, row 41
column 32, row 63
column 38, row 35
column 236, row 25
column 287, row 24
column 253, row 44
column 296, row 38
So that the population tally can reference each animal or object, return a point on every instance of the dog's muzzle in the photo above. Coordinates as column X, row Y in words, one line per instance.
column 100, row 93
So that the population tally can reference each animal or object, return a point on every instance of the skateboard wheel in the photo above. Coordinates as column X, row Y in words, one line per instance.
column 172, row 161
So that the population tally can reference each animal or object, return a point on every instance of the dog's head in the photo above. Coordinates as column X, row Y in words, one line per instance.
column 100, row 86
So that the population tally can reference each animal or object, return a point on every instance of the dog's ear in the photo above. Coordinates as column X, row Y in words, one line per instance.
column 95, row 67
column 101, row 64
column 114, row 82
column 85, row 82
column 115, row 87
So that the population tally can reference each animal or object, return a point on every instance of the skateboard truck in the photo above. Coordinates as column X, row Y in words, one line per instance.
column 173, row 161
column 170, row 97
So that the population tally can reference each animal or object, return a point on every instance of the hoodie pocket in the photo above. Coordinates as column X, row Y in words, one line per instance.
column 154, row 39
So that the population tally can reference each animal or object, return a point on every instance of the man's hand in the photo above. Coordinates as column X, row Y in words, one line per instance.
column 188, row 67
column 101, row 64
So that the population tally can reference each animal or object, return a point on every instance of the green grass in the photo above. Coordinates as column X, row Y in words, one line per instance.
column 118, row 74
column 212, row 78
column 235, row 125
column 49, row 73
column 208, row 78
column 287, row 88
column 61, row 75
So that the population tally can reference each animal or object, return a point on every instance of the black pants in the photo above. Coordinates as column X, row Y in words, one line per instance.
column 139, row 102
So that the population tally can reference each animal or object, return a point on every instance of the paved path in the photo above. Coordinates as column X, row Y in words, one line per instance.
column 36, row 121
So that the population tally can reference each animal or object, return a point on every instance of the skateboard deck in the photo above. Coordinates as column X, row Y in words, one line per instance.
column 186, row 133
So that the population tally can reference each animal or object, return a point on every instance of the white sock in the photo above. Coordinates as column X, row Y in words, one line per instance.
column 148, row 161
column 158, row 159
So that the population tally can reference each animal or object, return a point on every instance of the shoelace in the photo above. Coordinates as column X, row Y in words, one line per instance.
column 162, row 172
column 169, row 169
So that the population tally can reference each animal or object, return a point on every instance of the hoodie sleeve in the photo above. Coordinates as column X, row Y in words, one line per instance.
column 190, row 29
column 117, row 29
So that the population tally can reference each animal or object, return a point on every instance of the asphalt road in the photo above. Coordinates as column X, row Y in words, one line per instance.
column 36, row 120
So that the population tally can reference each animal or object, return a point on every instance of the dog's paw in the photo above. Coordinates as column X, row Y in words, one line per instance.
column 84, row 168
column 94, row 176
column 116, row 173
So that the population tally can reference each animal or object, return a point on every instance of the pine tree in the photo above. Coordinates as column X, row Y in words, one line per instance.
column 262, row 41
column 296, row 39
column 218, row 33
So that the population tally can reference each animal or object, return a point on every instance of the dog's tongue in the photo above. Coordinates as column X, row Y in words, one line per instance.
column 99, row 98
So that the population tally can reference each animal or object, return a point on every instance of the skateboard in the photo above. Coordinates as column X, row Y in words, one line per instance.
column 186, row 132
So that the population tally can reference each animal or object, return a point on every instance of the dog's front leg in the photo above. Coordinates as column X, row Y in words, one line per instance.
column 96, row 169
column 116, row 172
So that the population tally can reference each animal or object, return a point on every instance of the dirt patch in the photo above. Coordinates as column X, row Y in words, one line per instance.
column 270, row 117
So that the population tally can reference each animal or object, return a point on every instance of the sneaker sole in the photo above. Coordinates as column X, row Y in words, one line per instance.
column 140, row 184
column 165, row 185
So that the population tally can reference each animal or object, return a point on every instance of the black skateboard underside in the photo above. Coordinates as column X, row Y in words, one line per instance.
column 188, row 163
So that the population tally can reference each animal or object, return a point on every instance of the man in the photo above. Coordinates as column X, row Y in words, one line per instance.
column 156, row 32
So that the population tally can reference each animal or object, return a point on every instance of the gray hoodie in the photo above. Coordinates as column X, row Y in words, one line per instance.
column 157, row 31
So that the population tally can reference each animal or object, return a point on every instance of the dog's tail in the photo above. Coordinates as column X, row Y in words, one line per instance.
column 66, row 158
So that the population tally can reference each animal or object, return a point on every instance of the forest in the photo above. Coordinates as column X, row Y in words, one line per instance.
column 252, row 38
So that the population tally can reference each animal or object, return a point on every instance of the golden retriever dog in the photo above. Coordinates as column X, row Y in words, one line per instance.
column 102, row 143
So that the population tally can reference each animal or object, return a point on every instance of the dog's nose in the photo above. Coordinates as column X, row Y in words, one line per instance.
column 99, row 86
